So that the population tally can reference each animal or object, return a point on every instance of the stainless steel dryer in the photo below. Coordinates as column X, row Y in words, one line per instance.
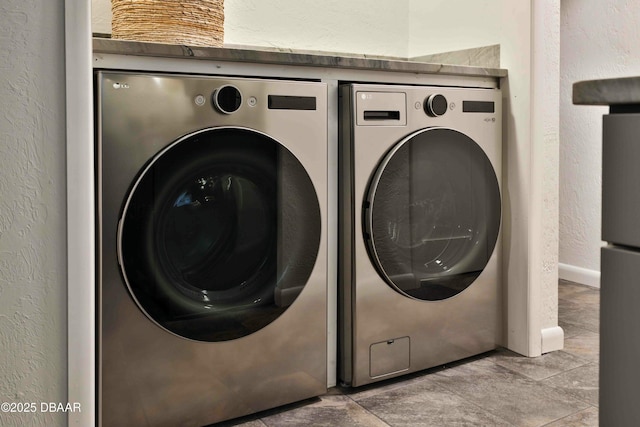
column 419, row 262
column 212, row 246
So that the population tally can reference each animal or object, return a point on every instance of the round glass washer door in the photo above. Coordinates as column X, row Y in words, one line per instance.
column 432, row 214
column 219, row 234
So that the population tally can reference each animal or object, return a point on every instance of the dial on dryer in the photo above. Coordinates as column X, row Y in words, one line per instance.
column 435, row 105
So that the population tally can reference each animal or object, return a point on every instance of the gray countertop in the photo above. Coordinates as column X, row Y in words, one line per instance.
column 619, row 91
column 288, row 57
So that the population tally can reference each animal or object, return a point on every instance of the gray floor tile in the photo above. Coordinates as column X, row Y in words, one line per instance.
column 360, row 393
column 579, row 313
column 566, row 288
column 581, row 382
column 508, row 395
column 586, row 418
column 588, row 298
column 330, row 411
column 424, row 403
column 537, row 368
column 585, row 345
column 571, row 330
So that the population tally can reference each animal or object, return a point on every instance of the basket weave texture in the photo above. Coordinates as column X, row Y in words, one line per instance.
column 189, row 22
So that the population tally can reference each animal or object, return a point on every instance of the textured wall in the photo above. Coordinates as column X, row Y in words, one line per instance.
column 449, row 25
column 598, row 40
column 354, row 26
column 101, row 16
column 32, row 209
column 405, row 28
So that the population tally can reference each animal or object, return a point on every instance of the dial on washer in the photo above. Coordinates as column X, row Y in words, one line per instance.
column 227, row 99
column 435, row 105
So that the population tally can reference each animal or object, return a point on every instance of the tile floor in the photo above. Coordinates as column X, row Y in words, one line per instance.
column 499, row 388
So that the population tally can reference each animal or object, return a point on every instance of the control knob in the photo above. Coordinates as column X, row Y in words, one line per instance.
column 435, row 105
column 227, row 99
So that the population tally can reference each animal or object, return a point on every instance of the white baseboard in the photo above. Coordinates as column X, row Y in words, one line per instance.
column 579, row 275
column 552, row 339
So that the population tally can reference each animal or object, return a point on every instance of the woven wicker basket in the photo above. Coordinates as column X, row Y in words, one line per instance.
column 189, row 22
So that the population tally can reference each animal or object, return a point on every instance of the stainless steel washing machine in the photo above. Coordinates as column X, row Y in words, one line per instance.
column 212, row 246
column 420, row 215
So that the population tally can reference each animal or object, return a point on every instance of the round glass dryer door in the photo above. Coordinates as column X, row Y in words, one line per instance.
column 219, row 234
column 432, row 214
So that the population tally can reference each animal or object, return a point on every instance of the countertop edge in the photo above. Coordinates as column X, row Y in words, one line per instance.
column 135, row 48
column 612, row 91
